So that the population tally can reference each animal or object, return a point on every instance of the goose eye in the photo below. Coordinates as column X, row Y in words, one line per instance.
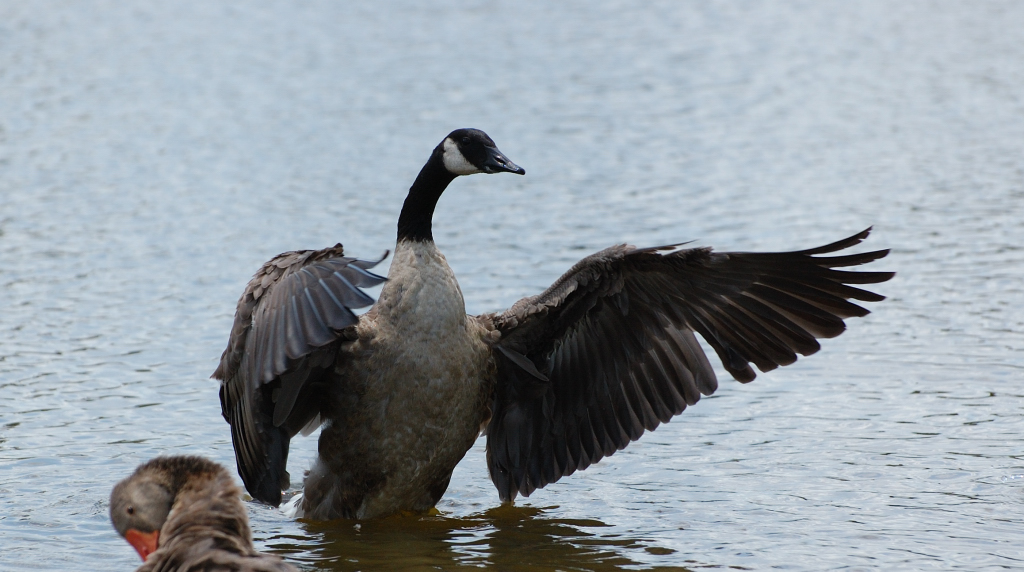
column 465, row 140
column 131, row 510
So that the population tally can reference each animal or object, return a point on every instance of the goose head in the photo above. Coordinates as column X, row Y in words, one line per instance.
column 139, row 506
column 462, row 152
column 470, row 151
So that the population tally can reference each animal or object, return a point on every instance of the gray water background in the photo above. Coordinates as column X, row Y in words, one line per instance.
column 154, row 154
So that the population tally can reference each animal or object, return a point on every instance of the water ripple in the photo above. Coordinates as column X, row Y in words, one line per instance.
column 151, row 158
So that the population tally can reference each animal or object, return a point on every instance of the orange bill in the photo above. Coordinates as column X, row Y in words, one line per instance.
column 144, row 542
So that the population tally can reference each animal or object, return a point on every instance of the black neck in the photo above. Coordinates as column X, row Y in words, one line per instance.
column 415, row 221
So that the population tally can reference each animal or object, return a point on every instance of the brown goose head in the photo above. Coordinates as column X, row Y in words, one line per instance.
column 139, row 506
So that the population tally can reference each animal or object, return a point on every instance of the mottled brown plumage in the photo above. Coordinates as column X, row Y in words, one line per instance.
column 185, row 514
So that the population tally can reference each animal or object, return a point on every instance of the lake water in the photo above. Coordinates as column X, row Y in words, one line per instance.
column 154, row 154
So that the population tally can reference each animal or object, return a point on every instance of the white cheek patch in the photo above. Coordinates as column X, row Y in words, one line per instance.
column 455, row 162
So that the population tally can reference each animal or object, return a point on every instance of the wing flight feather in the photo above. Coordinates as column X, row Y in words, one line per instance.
column 613, row 341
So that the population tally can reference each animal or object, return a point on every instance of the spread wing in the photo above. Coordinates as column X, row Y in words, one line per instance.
column 609, row 351
column 282, row 342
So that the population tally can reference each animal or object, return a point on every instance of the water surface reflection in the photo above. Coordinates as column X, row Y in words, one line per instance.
column 502, row 538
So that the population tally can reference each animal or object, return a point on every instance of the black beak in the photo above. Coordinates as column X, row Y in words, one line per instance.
column 496, row 162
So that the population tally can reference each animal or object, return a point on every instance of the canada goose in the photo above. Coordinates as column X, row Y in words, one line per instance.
column 557, row 382
column 183, row 514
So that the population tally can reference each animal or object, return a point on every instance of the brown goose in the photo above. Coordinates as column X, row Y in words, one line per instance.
column 184, row 514
column 558, row 381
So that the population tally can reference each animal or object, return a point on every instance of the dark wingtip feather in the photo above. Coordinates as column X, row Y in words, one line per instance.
column 852, row 259
column 862, row 277
column 261, row 451
column 368, row 264
column 267, row 490
column 839, row 244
